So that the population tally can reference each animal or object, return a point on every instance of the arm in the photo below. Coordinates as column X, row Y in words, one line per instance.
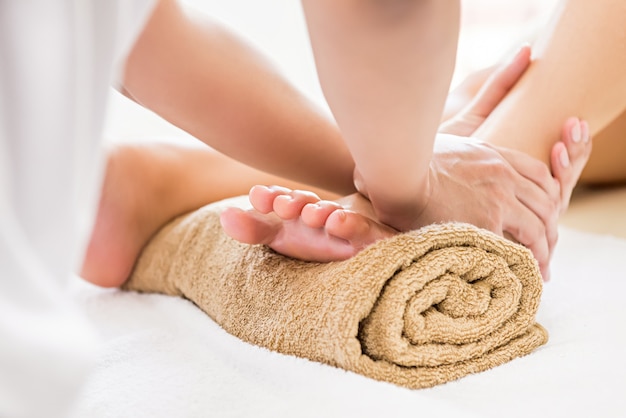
column 385, row 68
column 203, row 79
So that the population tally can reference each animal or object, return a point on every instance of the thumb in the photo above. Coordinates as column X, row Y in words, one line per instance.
column 498, row 85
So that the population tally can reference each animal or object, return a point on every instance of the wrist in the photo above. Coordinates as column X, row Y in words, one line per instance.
column 402, row 212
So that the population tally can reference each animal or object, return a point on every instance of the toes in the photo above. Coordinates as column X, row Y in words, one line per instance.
column 249, row 226
column 285, row 202
column 359, row 230
column 314, row 215
column 262, row 197
column 289, row 206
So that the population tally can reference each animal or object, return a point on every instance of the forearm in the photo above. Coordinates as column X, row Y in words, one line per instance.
column 385, row 68
column 579, row 69
column 203, row 79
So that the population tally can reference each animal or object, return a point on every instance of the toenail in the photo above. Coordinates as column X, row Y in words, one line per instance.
column 564, row 158
column 275, row 188
column 285, row 197
column 576, row 132
column 313, row 206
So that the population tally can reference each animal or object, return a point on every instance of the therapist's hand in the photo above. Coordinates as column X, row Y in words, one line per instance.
column 500, row 189
column 504, row 191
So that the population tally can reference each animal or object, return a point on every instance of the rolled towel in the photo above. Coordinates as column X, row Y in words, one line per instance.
column 418, row 309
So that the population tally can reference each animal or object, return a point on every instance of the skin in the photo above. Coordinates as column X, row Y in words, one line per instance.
column 283, row 134
column 300, row 224
column 524, row 188
column 142, row 192
column 196, row 74
column 578, row 70
column 370, row 61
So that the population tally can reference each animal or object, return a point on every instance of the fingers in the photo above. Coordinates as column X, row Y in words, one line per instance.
column 465, row 92
column 537, row 190
column 569, row 157
column 533, row 170
column 522, row 226
column 533, row 221
column 540, row 225
column 544, row 208
column 489, row 96
column 533, row 218
column 499, row 84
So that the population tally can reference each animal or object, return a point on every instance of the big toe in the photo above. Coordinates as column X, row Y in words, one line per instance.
column 249, row 226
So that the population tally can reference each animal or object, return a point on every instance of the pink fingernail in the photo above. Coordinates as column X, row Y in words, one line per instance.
column 584, row 128
column 564, row 158
column 576, row 132
column 521, row 49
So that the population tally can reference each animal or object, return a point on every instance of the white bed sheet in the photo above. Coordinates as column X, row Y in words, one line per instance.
column 163, row 357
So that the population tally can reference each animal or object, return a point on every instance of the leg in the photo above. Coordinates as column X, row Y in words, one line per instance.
column 576, row 36
column 299, row 224
column 580, row 70
column 145, row 186
column 606, row 164
column 583, row 36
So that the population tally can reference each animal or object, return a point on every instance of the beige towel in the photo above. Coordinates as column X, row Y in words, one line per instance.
column 417, row 310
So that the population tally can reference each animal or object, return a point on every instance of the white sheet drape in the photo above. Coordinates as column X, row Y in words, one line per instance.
column 57, row 60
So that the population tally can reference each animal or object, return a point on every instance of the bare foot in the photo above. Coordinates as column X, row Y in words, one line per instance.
column 128, row 214
column 146, row 185
column 569, row 157
column 299, row 224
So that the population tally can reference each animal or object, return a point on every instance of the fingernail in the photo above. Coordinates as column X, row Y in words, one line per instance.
column 584, row 128
column 546, row 277
column 564, row 158
column 576, row 132
column 522, row 48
